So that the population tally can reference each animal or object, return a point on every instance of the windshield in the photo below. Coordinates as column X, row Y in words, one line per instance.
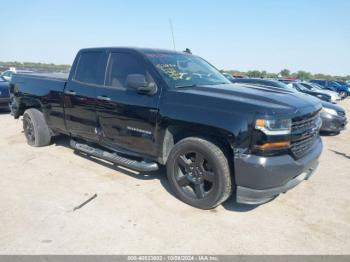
column 185, row 70
column 282, row 85
column 333, row 83
column 300, row 87
column 316, row 86
column 310, row 86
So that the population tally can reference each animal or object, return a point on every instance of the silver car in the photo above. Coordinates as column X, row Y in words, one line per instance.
column 315, row 87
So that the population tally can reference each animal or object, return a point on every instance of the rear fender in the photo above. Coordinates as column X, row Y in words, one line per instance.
column 20, row 105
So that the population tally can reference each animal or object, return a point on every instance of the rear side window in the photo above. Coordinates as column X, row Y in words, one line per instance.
column 90, row 68
column 123, row 64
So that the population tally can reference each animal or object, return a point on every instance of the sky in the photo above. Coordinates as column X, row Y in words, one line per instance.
column 311, row 35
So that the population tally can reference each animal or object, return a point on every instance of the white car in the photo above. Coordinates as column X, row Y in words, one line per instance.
column 7, row 75
column 315, row 87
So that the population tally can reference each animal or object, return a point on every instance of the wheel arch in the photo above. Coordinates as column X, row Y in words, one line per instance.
column 175, row 133
column 26, row 103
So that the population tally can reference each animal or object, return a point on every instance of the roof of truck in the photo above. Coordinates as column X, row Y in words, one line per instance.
column 137, row 49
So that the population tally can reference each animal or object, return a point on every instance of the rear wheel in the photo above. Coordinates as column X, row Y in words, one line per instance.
column 35, row 128
column 199, row 173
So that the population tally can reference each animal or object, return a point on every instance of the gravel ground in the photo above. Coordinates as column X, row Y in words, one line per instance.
column 136, row 213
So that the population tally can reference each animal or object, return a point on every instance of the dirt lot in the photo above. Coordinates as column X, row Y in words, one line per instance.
column 137, row 214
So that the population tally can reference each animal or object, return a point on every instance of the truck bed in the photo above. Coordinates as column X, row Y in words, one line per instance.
column 39, row 85
column 43, row 91
column 57, row 76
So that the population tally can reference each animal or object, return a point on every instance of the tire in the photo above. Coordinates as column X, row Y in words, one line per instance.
column 199, row 173
column 343, row 94
column 35, row 128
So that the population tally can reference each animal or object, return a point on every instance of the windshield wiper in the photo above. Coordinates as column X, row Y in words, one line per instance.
column 186, row 86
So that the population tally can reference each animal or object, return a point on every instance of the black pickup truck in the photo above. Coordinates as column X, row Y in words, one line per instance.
column 142, row 108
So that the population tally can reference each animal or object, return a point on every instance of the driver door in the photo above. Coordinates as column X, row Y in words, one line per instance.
column 127, row 119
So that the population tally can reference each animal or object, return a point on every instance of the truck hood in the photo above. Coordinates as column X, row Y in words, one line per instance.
column 260, row 99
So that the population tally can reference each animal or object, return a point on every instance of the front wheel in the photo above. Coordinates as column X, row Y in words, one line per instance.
column 343, row 94
column 199, row 173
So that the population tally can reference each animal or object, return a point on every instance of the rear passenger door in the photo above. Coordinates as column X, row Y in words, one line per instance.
column 80, row 95
column 127, row 119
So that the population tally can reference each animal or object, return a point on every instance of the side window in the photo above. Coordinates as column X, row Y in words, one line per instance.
column 121, row 65
column 90, row 68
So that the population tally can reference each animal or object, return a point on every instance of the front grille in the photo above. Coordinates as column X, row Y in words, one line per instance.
column 304, row 134
column 341, row 113
column 302, row 147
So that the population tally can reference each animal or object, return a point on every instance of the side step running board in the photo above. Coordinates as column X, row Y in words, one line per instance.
column 114, row 158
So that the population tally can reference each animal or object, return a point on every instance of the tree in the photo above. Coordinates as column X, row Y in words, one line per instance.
column 285, row 73
column 303, row 75
column 272, row 75
column 254, row 73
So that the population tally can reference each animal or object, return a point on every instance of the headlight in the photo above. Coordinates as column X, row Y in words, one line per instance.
column 274, row 126
column 330, row 111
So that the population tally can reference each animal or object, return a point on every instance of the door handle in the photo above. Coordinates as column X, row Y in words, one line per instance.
column 105, row 98
column 70, row 92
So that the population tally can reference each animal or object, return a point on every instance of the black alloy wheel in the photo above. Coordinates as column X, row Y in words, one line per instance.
column 199, row 173
column 194, row 174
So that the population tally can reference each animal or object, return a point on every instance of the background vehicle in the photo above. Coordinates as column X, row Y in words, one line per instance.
column 286, row 81
column 298, row 86
column 142, row 108
column 228, row 76
column 343, row 83
column 4, row 94
column 343, row 91
column 333, row 118
column 259, row 81
column 7, row 75
column 315, row 87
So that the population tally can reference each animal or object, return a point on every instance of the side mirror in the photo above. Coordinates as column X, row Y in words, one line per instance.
column 138, row 82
